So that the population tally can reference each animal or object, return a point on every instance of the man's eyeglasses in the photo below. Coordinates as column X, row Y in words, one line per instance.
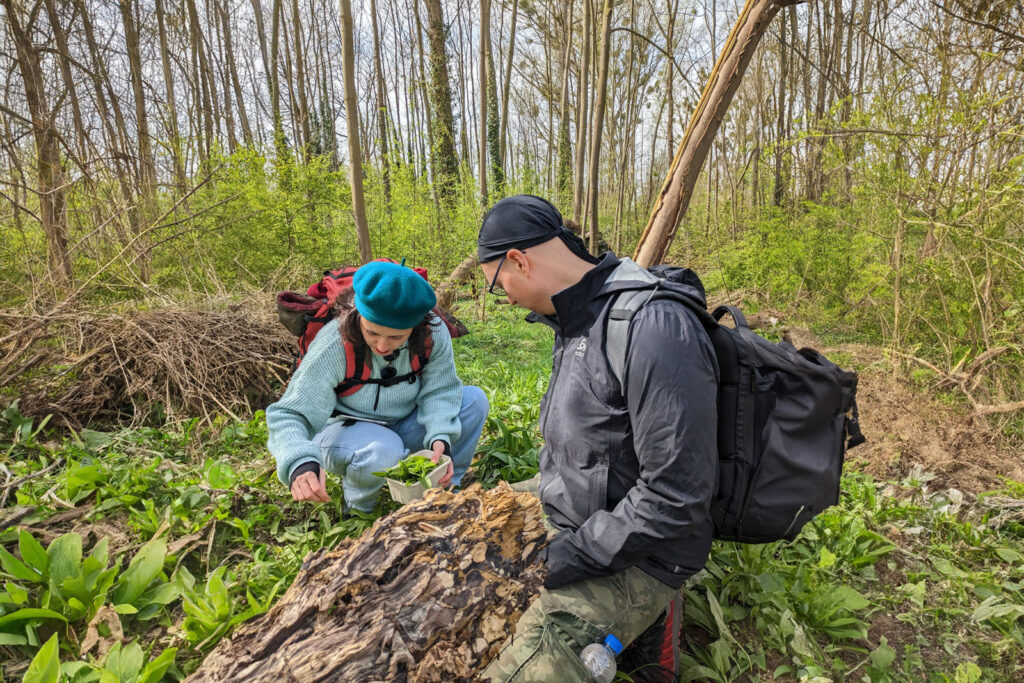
column 495, row 288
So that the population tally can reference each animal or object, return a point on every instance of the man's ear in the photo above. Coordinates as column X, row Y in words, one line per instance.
column 518, row 260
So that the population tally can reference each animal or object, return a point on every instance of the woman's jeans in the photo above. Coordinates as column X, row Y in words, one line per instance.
column 355, row 452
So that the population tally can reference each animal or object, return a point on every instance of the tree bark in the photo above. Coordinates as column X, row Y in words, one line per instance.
column 485, row 48
column 355, row 155
column 382, row 109
column 51, row 180
column 581, row 114
column 677, row 190
column 506, row 86
column 300, row 79
column 598, row 124
column 236, row 85
column 147, row 166
column 444, row 159
column 564, row 174
column 172, row 108
column 429, row 593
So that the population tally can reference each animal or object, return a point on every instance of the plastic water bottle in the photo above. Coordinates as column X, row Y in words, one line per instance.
column 599, row 658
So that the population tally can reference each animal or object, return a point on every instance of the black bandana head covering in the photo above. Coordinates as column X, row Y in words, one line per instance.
column 523, row 221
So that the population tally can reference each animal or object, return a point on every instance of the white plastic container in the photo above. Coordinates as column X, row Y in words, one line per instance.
column 406, row 493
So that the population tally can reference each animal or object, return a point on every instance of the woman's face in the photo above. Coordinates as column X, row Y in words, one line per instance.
column 382, row 340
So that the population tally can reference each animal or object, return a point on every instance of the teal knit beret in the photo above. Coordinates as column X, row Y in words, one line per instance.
column 392, row 295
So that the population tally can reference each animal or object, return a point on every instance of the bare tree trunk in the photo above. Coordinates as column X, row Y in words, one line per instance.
column 779, row 191
column 564, row 175
column 598, row 124
column 443, row 156
column 700, row 132
column 485, row 49
column 355, row 155
column 382, row 109
column 172, row 108
column 51, row 180
column 300, row 79
column 204, row 84
column 64, row 57
column 280, row 146
column 236, row 85
column 506, row 86
column 147, row 167
column 581, row 114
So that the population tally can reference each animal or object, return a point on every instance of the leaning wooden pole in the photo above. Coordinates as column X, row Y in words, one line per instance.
column 725, row 78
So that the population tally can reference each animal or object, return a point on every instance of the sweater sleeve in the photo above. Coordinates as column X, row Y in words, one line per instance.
column 440, row 398
column 307, row 404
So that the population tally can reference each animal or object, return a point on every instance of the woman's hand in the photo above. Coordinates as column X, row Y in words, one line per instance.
column 438, row 448
column 310, row 486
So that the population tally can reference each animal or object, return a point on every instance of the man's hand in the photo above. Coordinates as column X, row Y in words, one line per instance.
column 310, row 486
column 438, row 448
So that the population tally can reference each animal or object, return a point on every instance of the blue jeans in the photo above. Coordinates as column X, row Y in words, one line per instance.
column 355, row 452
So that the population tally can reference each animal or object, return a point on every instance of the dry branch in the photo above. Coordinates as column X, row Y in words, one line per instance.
column 427, row 594
column 122, row 369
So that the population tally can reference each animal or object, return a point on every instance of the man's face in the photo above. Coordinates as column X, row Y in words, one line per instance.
column 513, row 279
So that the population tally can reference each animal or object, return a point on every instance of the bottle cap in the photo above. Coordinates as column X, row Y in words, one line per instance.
column 613, row 644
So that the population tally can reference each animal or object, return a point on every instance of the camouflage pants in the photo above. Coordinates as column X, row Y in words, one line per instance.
column 561, row 622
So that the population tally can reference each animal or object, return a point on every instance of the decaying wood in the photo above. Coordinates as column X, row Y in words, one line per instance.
column 447, row 290
column 428, row 593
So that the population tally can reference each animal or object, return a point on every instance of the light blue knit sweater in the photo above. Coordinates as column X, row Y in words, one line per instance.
column 309, row 400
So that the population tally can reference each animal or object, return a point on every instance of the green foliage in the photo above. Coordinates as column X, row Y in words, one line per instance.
column 815, row 603
column 410, row 470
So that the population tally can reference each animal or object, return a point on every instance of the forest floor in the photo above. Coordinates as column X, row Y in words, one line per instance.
column 918, row 573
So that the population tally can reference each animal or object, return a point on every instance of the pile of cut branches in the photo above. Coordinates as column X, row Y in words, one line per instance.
column 128, row 368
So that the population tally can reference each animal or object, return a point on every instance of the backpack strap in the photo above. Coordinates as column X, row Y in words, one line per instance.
column 624, row 307
column 627, row 304
column 357, row 371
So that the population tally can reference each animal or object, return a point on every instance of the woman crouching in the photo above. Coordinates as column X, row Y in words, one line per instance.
column 407, row 396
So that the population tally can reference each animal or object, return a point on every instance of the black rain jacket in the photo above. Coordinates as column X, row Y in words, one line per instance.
column 627, row 473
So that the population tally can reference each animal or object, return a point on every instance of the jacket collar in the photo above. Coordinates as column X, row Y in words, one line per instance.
column 575, row 306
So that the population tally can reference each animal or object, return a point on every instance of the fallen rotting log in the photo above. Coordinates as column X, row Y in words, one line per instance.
column 428, row 593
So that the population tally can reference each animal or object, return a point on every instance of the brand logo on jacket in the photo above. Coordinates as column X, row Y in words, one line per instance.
column 581, row 348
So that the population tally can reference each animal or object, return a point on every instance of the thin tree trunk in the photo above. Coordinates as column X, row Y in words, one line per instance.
column 505, row 87
column 598, row 127
column 172, row 108
column 229, row 51
column 485, row 50
column 443, row 155
column 280, row 145
column 300, row 79
column 700, row 132
column 564, row 175
column 64, row 58
column 355, row 155
column 382, row 109
column 51, row 179
column 581, row 114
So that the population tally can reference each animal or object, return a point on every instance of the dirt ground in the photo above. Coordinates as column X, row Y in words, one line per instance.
column 905, row 426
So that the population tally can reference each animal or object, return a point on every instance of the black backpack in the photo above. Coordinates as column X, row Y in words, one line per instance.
column 785, row 416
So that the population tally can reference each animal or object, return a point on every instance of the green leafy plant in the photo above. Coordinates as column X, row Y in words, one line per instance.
column 411, row 470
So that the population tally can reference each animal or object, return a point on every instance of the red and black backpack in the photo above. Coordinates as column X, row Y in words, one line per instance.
column 305, row 314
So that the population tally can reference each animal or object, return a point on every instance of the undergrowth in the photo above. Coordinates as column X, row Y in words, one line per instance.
column 126, row 556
